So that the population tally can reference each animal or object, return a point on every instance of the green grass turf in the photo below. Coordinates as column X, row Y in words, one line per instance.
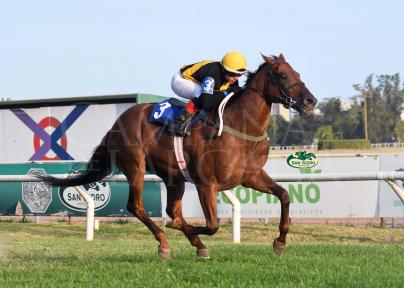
column 57, row 255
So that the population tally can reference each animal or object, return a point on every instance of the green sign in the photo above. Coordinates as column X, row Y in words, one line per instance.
column 298, row 193
column 39, row 198
column 302, row 159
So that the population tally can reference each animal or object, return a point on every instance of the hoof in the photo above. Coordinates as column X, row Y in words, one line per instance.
column 203, row 254
column 164, row 253
column 279, row 247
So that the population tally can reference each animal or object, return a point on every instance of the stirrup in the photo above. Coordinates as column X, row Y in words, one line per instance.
column 181, row 129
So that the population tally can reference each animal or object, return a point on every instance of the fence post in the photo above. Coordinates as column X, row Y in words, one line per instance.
column 382, row 222
column 236, row 215
column 90, row 213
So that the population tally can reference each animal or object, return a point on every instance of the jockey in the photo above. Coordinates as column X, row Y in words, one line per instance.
column 206, row 83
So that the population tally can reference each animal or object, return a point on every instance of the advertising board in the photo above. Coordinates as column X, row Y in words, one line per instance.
column 52, row 133
column 308, row 200
column 38, row 198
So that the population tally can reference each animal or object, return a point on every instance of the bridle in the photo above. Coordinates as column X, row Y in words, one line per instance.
column 284, row 98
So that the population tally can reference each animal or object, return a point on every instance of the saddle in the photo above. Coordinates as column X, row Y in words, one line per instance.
column 165, row 112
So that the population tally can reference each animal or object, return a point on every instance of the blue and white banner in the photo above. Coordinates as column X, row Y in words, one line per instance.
column 55, row 133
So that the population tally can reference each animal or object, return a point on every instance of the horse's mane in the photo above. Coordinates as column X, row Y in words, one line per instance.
column 251, row 75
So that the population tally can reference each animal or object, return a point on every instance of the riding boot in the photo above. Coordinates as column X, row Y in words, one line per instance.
column 182, row 122
column 184, row 119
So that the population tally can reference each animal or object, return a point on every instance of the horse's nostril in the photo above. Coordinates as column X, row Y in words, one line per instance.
column 310, row 101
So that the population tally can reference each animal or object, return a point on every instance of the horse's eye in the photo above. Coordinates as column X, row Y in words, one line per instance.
column 283, row 76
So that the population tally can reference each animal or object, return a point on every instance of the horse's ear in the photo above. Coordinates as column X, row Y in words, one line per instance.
column 282, row 58
column 267, row 59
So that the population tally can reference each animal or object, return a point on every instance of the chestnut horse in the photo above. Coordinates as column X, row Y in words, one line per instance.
column 215, row 164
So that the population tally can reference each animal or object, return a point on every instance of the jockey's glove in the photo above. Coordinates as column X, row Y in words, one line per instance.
column 233, row 89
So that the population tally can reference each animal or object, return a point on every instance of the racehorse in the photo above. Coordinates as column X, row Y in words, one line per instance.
column 237, row 157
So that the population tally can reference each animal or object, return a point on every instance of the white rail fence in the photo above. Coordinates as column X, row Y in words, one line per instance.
column 389, row 176
column 315, row 147
column 90, row 222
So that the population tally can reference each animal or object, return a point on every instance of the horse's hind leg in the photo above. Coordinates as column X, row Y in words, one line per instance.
column 135, row 174
column 174, row 210
column 263, row 183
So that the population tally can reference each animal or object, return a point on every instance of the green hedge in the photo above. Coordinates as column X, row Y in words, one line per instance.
column 344, row 144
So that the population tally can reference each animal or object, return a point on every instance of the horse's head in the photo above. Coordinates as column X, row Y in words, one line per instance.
column 284, row 86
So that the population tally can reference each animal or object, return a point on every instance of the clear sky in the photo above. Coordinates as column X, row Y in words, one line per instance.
column 67, row 48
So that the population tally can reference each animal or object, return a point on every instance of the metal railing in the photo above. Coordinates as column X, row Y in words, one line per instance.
column 389, row 176
column 315, row 147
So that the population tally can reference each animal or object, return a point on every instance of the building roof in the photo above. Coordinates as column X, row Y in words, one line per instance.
column 104, row 99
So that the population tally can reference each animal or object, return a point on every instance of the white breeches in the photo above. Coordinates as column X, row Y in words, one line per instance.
column 185, row 88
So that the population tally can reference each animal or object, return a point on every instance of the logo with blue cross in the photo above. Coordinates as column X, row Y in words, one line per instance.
column 56, row 141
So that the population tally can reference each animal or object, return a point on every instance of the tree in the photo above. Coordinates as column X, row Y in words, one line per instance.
column 324, row 133
column 344, row 122
column 331, row 110
column 301, row 130
column 383, row 107
column 277, row 129
column 384, row 102
column 400, row 130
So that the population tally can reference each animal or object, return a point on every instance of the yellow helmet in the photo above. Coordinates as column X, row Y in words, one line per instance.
column 234, row 62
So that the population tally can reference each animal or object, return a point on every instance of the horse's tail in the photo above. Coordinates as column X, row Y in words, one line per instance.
column 97, row 168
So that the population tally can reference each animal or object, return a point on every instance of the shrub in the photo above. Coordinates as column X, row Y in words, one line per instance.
column 344, row 144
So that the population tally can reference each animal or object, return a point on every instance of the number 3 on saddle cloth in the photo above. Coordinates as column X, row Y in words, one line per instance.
column 167, row 111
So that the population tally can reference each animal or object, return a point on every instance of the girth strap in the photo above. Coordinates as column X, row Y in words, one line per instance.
column 179, row 154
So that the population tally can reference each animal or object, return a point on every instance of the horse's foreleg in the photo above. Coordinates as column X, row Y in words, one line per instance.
column 263, row 183
column 174, row 210
column 135, row 206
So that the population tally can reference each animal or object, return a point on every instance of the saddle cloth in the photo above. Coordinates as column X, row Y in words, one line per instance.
column 166, row 111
